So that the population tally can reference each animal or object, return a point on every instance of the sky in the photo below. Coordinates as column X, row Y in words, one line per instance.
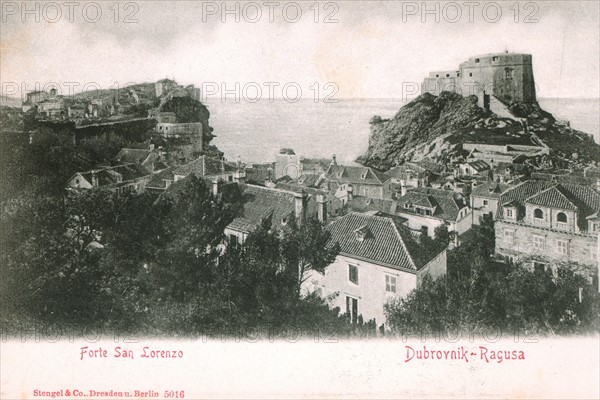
column 368, row 49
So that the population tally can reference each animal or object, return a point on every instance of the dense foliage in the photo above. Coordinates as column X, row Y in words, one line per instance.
column 479, row 294
column 162, row 268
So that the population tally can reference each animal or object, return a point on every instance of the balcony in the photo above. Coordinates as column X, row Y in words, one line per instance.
column 538, row 222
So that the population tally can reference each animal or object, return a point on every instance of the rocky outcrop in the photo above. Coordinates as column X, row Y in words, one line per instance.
column 418, row 124
column 435, row 126
column 187, row 109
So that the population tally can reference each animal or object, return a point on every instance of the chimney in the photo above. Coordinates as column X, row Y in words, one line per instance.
column 402, row 189
column 322, row 207
column 300, row 203
column 94, row 179
column 217, row 185
column 350, row 192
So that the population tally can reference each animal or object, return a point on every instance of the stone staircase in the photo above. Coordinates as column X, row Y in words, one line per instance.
column 500, row 109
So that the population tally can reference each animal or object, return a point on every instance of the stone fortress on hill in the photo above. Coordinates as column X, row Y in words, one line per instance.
column 505, row 77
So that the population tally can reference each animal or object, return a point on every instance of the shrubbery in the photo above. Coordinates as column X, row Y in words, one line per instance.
column 480, row 294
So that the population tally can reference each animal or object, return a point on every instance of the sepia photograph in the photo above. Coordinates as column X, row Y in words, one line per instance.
column 299, row 199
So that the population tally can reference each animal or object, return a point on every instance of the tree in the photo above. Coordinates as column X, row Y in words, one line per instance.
column 305, row 248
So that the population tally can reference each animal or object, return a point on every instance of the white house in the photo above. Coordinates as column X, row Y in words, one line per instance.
column 379, row 261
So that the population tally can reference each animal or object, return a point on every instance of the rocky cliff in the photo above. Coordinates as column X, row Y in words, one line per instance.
column 435, row 126
column 187, row 109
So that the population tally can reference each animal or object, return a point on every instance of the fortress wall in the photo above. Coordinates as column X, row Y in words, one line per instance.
column 509, row 77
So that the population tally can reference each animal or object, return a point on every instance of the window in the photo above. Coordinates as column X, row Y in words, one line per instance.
column 494, row 58
column 390, row 284
column 470, row 74
column 477, row 60
column 508, row 73
column 539, row 242
column 509, row 236
column 353, row 274
column 538, row 214
column 233, row 241
column 485, row 202
column 352, row 308
column 447, row 75
column 562, row 247
column 437, row 75
column 510, row 213
column 561, row 217
column 539, row 267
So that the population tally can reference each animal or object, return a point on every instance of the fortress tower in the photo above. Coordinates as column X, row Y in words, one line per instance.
column 506, row 76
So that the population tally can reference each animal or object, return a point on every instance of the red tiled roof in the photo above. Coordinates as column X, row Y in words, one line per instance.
column 490, row 190
column 359, row 175
column 386, row 241
column 447, row 203
column 137, row 156
column 566, row 196
column 261, row 203
column 553, row 197
column 203, row 166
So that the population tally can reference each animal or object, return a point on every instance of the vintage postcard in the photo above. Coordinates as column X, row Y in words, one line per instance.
column 299, row 199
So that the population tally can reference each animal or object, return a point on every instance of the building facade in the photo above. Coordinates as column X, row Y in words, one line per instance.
column 545, row 224
column 379, row 261
column 506, row 76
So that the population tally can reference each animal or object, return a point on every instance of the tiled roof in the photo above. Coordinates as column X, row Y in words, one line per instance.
column 387, row 242
column 407, row 171
column 447, row 203
column 159, row 181
column 203, row 166
column 290, row 186
column 307, row 180
column 566, row 196
column 261, row 203
column 520, row 193
column 137, row 156
column 362, row 204
column 358, row 175
column 490, row 190
column 131, row 171
column 553, row 197
column 109, row 175
column 479, row 165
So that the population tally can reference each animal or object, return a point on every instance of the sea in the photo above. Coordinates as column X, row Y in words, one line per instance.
column 255, row 132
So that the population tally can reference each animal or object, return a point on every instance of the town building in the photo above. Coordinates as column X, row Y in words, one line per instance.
column 379, row 261
column 544, row 224
column 179, row 130
column 473, row 168
column 210, row 168
column 484, row 200
column 365, row 181
column 425, row 209
column 410, row 174
column 277, row 207
column 493, row 154
column 149, row 159
column 121, row 179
